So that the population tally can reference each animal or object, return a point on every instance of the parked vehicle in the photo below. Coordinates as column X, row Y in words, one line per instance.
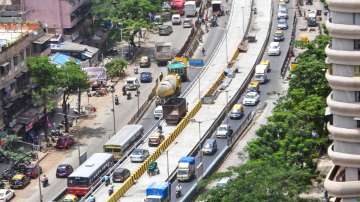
column 7, row 174
column 251, row 98
column 282, row 24
column 223, row 131
column 132, row 83
column 217, row 8
column 158, row 191
column 237, row 111
column 186, row 168
column 70, row 198
column 190, row 9
column 311, row 18
column 120, row 175
column 274, row 49
column 33, row 170
column 163, row 52
column 64, row 170
column 19, row 181
column 145, row 77
column 158, row 112
column 279, row 35
column 261, row 73
column 139, row 155
column 209, row 147
column 158, row 20
column 165, row 30
column 187, row 23
column 145, row 61
column 123, row 139
column 88, row 173
column 223, row 182
column 155, row 139
column 174, row 110
column 176, row 19
column 6, row 195
column 64, row 142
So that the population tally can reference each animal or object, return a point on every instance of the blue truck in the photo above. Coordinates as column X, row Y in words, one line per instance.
column 158, row 192
column 186, row 168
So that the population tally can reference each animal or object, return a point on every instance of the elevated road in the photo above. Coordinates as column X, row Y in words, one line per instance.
column 186, row 140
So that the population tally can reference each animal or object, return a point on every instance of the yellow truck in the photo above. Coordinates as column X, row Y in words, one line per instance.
column 170, row 86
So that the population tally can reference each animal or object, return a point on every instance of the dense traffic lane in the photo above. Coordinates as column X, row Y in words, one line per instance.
column 266, row 91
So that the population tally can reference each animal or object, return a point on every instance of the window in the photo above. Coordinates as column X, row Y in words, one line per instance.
column 358, row 123
column 356, row 44
column 357, row 96
column 357, row 71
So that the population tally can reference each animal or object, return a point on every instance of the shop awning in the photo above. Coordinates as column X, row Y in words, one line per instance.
column 43, row 39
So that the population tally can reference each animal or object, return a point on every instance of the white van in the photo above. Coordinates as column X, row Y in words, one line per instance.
column 176, row 19
column 132, row 83
column 190, row 8
column 158, row 112
column 261, row 71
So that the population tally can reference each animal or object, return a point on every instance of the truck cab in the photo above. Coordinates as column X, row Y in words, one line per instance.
column 158, row 192
column 186, row 169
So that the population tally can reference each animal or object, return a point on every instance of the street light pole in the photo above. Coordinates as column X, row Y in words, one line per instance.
column 226, row 46
column 138, row 102
column 38, row 167
column 113, row 112
column 227, row 102
column 243, row 23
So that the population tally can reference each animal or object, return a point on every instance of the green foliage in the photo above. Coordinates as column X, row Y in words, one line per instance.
column 262, row 180
column 116, row 67
column 71, row 77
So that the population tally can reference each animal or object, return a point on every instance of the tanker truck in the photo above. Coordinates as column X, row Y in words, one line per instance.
column 169, row 87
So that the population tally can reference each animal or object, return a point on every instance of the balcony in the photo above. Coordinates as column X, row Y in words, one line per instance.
column 343, row 108
column 344, row 134
column 336, row 186
column 344, row 159
column 342, row 57
column 347, row 6
column 342, row 82
column 343, row 31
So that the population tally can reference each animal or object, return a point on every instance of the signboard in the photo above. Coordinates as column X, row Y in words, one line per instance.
column 196, row 62
column 182, row 59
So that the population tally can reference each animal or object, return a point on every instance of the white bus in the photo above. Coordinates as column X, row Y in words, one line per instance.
column 190, row 9
column 123, row 139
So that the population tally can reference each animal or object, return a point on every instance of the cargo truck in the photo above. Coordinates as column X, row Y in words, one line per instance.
column 158, row 192
column 163, row 52
column 190, row 8
column 186, row 168
column 174, row 109
column 170, row 86
column 261, row 72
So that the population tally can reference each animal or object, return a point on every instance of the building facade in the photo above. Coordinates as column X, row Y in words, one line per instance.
column 343, row 75
column 17, row 43
column 66, row 17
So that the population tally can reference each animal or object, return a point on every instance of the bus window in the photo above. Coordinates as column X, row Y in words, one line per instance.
column 79, row 182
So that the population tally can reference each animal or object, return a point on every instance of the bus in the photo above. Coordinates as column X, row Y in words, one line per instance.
column 123, row 139
column 88, row 173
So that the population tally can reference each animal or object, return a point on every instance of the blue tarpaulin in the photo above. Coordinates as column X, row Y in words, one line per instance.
column 61, row 59
column 196, row 62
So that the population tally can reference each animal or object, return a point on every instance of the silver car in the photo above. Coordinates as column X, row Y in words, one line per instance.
column 165, row 30
column 139, row 155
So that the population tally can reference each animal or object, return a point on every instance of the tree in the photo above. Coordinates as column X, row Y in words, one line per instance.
column 45, row 76
column 116, row 67
column 71, row 79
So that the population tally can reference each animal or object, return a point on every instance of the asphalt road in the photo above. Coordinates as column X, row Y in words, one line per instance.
column 266, row 90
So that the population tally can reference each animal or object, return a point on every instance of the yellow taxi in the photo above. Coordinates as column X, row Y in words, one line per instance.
column 19, row 181
column 237, row 111
column 267, row 63
column 254, row 86
column 70, row 198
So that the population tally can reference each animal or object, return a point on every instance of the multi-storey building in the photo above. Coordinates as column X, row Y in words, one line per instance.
column 17, row 43
column 343, row 55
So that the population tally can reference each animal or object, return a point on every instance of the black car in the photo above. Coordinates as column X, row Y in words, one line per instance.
column 145, row 77
column 120, row 175
column 64, row 170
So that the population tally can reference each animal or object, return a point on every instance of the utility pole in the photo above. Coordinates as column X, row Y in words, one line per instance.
column 79, row 101
column 113, row 112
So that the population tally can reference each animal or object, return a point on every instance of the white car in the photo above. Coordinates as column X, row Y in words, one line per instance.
column 176, row 19
column 6, row 194
column 274, row 48
column 282, row 13
column 223, row 131
column 251, row 98
column 158, row 112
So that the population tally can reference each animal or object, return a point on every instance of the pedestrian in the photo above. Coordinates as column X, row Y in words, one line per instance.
column 91, row 198
column 161, row 76
column 111, row 190
column 203, row 51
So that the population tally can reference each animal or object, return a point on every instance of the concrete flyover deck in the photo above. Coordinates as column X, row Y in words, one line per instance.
column 187, row 140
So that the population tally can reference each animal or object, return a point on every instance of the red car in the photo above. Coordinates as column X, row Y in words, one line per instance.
column 64, row 142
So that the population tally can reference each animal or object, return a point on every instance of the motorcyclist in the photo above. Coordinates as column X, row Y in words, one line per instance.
column 178, row 190
column 106, row 179
column 45, row 180
column 111, row 190
column 91, row 198
column 203, row 51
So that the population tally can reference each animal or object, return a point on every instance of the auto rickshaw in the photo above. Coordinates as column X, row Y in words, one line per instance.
column 153, row 169
column 254, row 86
